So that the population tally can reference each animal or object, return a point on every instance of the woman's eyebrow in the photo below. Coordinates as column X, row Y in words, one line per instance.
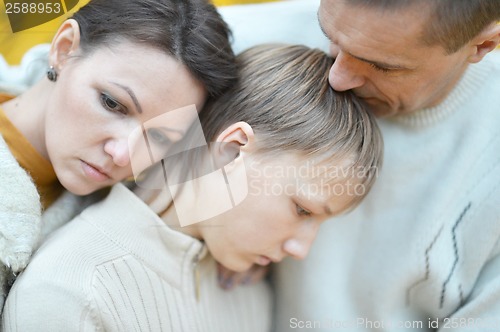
column 131, row 94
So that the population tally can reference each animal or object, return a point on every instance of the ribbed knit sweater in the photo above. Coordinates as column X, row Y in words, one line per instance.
column 118, row 267
column 424, row 245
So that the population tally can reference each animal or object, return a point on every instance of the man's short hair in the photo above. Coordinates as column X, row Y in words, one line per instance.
column 452, row 23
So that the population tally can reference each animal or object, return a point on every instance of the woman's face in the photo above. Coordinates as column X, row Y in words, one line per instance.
column 288, row 198
column 97, row 102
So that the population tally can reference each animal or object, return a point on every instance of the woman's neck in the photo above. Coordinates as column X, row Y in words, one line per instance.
column 27, row 114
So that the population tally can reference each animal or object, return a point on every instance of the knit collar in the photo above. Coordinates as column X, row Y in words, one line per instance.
column 467, row 86
column 129, row 223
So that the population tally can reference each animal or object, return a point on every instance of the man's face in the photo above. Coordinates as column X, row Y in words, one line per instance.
column 380, row 57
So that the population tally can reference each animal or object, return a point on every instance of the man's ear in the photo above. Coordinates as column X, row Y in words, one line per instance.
column 65, row 43
column 230, row 143
column 485, row 42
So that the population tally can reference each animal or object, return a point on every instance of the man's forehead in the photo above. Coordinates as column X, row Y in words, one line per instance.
column 346, row 24
column 389, row 41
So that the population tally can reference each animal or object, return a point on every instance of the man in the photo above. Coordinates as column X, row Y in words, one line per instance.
column 422, row 251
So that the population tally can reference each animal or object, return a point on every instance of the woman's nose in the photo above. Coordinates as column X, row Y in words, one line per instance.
column 118, row 150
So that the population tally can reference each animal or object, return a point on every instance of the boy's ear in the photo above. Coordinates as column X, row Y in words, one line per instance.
column 65, row 43
column 230, row 142
column 485, row 42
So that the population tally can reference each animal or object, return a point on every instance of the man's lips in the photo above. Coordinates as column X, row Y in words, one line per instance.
column 95, row 172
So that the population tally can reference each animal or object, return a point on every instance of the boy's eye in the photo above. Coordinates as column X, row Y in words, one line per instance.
column 302, row 212
column 112, row 105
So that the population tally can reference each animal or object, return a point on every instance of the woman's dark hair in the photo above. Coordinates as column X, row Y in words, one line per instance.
column 192, row 31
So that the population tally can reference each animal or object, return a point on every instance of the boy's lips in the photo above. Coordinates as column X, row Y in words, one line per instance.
column 265, row 260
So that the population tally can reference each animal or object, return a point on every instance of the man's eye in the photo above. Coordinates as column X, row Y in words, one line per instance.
column 302, row 212
column 158, row 136
column 112, row 105
column 384, row 70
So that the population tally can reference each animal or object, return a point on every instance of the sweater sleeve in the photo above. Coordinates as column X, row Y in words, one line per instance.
column 34, row 306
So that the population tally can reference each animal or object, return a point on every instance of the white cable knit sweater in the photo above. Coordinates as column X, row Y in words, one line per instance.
column 424, row 245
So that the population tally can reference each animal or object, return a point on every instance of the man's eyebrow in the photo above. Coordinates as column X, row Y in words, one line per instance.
column 131, row 94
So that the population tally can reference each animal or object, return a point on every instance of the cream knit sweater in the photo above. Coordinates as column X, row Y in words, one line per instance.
column 118, row 267
column 424, row 245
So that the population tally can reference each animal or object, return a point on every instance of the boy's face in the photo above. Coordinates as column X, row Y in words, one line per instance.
column 287, row 200
column 380, row 57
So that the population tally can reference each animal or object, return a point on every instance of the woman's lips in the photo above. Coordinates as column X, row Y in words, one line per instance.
column 94, row 173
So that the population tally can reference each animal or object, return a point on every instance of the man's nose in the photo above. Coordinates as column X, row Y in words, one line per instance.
column 346, row 73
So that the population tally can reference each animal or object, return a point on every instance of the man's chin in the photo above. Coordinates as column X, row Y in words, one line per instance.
column 380, row 109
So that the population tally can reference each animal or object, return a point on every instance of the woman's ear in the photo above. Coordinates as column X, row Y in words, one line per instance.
column 230, row 142
column 485, row 42
column 65, row 43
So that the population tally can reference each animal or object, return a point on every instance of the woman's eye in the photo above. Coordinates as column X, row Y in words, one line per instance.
column 111, row 104
column 302, row 212
column 158, row 136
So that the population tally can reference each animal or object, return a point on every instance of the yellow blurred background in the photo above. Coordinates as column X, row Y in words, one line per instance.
column 13, row 46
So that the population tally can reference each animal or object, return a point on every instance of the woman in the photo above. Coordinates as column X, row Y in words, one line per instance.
column 287, row 153
column 115, row 65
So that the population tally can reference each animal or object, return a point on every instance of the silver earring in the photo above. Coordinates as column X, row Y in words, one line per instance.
column 52, row 74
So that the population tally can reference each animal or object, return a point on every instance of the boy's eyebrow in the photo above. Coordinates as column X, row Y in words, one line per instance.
column 131, row 94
